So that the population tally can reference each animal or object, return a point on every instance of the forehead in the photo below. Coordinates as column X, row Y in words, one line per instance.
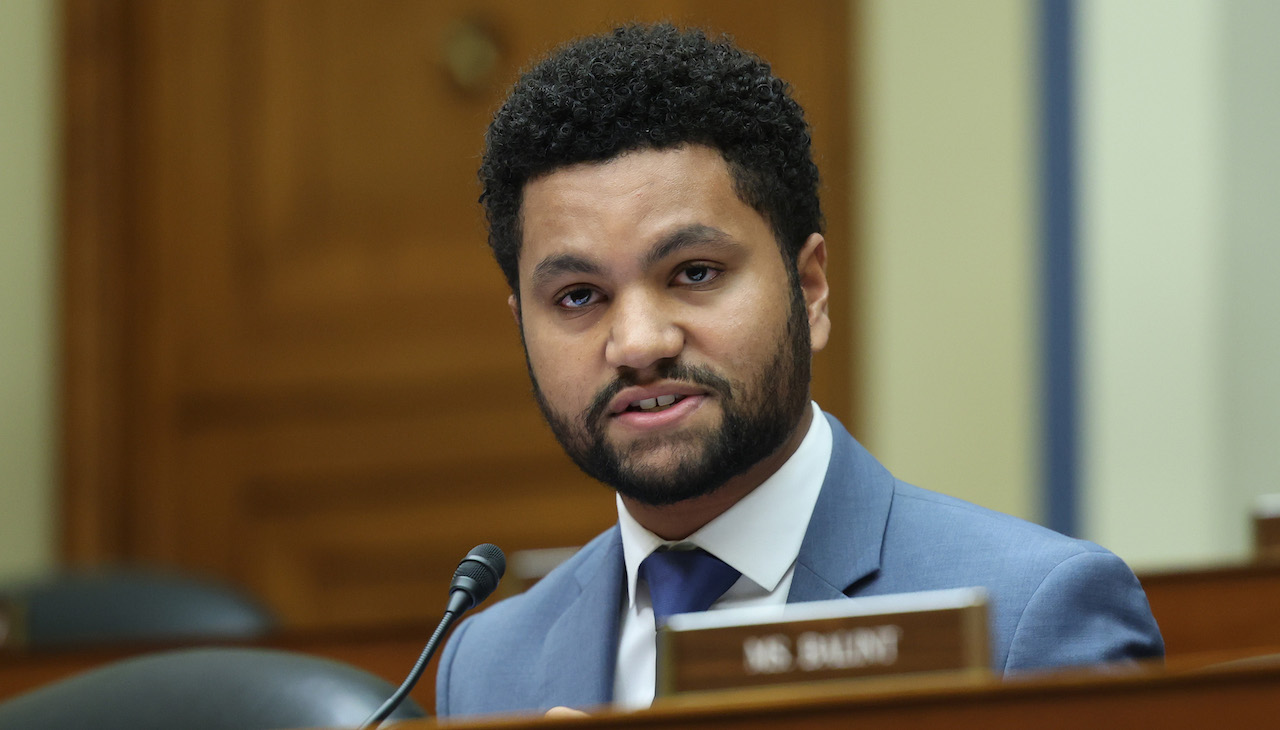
column 624, row 204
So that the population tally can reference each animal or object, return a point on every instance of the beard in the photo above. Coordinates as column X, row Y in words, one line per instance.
column 759, row 414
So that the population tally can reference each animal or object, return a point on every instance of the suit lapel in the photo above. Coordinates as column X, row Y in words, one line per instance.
column 843, row 541
column 580, row 651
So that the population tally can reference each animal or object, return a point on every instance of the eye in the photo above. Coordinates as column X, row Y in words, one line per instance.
column 578, row 297
column 694, row 274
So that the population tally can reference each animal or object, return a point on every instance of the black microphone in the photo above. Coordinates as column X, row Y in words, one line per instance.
column 476, row 577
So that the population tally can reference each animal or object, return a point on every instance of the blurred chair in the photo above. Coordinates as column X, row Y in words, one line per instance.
column 207, row 689
column 127, row 605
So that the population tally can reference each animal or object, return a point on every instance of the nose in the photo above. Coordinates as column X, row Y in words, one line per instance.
column 641, row 333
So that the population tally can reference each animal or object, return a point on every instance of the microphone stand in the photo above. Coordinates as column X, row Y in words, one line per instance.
column 405, row 687
column 476, row 577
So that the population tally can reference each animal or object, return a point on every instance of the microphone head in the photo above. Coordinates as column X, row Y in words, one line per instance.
column 478, row 573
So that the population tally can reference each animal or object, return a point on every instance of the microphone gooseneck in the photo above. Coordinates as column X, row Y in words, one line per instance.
column 475, row 579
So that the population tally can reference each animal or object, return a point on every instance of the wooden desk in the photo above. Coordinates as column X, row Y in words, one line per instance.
column 1207, row 616
column 1229, row 697
column 1230, row 608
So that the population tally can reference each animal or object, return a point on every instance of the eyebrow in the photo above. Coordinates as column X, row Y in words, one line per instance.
column 562, row 263
column 695, row 234
column 691, row 235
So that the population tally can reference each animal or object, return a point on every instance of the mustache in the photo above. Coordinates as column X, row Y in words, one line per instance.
column 682, row 372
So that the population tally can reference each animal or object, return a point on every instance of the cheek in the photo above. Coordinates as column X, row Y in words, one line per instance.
column 561, row 367
column 747, row 324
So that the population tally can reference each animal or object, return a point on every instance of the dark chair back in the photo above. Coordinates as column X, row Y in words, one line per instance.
column 207, row 689
column 128, row 606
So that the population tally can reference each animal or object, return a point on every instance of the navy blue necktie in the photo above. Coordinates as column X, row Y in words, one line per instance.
column 681, row 581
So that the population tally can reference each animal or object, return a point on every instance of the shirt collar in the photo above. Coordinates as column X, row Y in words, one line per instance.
column 779, row 508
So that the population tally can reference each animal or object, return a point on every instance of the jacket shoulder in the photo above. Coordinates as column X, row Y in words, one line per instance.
column 1054, row 600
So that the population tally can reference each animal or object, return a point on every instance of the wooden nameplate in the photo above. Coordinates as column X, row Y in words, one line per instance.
column 906, row 633
column 1266, row 528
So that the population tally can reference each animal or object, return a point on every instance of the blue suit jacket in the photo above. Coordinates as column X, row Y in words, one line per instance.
column 1054, row 601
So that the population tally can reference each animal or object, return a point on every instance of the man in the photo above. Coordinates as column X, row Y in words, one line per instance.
column 653, row 204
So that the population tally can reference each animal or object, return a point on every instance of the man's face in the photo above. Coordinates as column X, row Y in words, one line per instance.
column 668, row 347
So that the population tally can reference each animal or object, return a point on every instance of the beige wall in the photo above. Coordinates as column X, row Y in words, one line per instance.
column 1251, row 71
column 1179, row 168
column 1150, row 128
column 27, row 295
column 948, row 230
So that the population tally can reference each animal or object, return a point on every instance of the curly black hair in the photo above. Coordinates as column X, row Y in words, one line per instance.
column 652, row 87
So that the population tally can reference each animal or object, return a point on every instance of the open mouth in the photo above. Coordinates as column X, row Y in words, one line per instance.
column 652, row 405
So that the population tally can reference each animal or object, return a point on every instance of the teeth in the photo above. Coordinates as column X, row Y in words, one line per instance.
column 649, row 404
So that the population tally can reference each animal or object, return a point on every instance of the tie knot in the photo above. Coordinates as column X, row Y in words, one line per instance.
column 681, row 581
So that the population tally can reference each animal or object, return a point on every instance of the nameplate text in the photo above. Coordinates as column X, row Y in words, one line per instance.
column 934, row 631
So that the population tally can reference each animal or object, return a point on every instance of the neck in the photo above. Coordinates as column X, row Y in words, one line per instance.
column 680, row 520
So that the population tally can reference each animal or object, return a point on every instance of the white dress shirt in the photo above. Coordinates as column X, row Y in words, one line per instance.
column 779, row 508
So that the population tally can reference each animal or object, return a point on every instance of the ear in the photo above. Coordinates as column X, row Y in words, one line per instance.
column 811, row 266
column 514, row 304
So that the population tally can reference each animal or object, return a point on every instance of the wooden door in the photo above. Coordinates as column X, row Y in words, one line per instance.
column 289, row 359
